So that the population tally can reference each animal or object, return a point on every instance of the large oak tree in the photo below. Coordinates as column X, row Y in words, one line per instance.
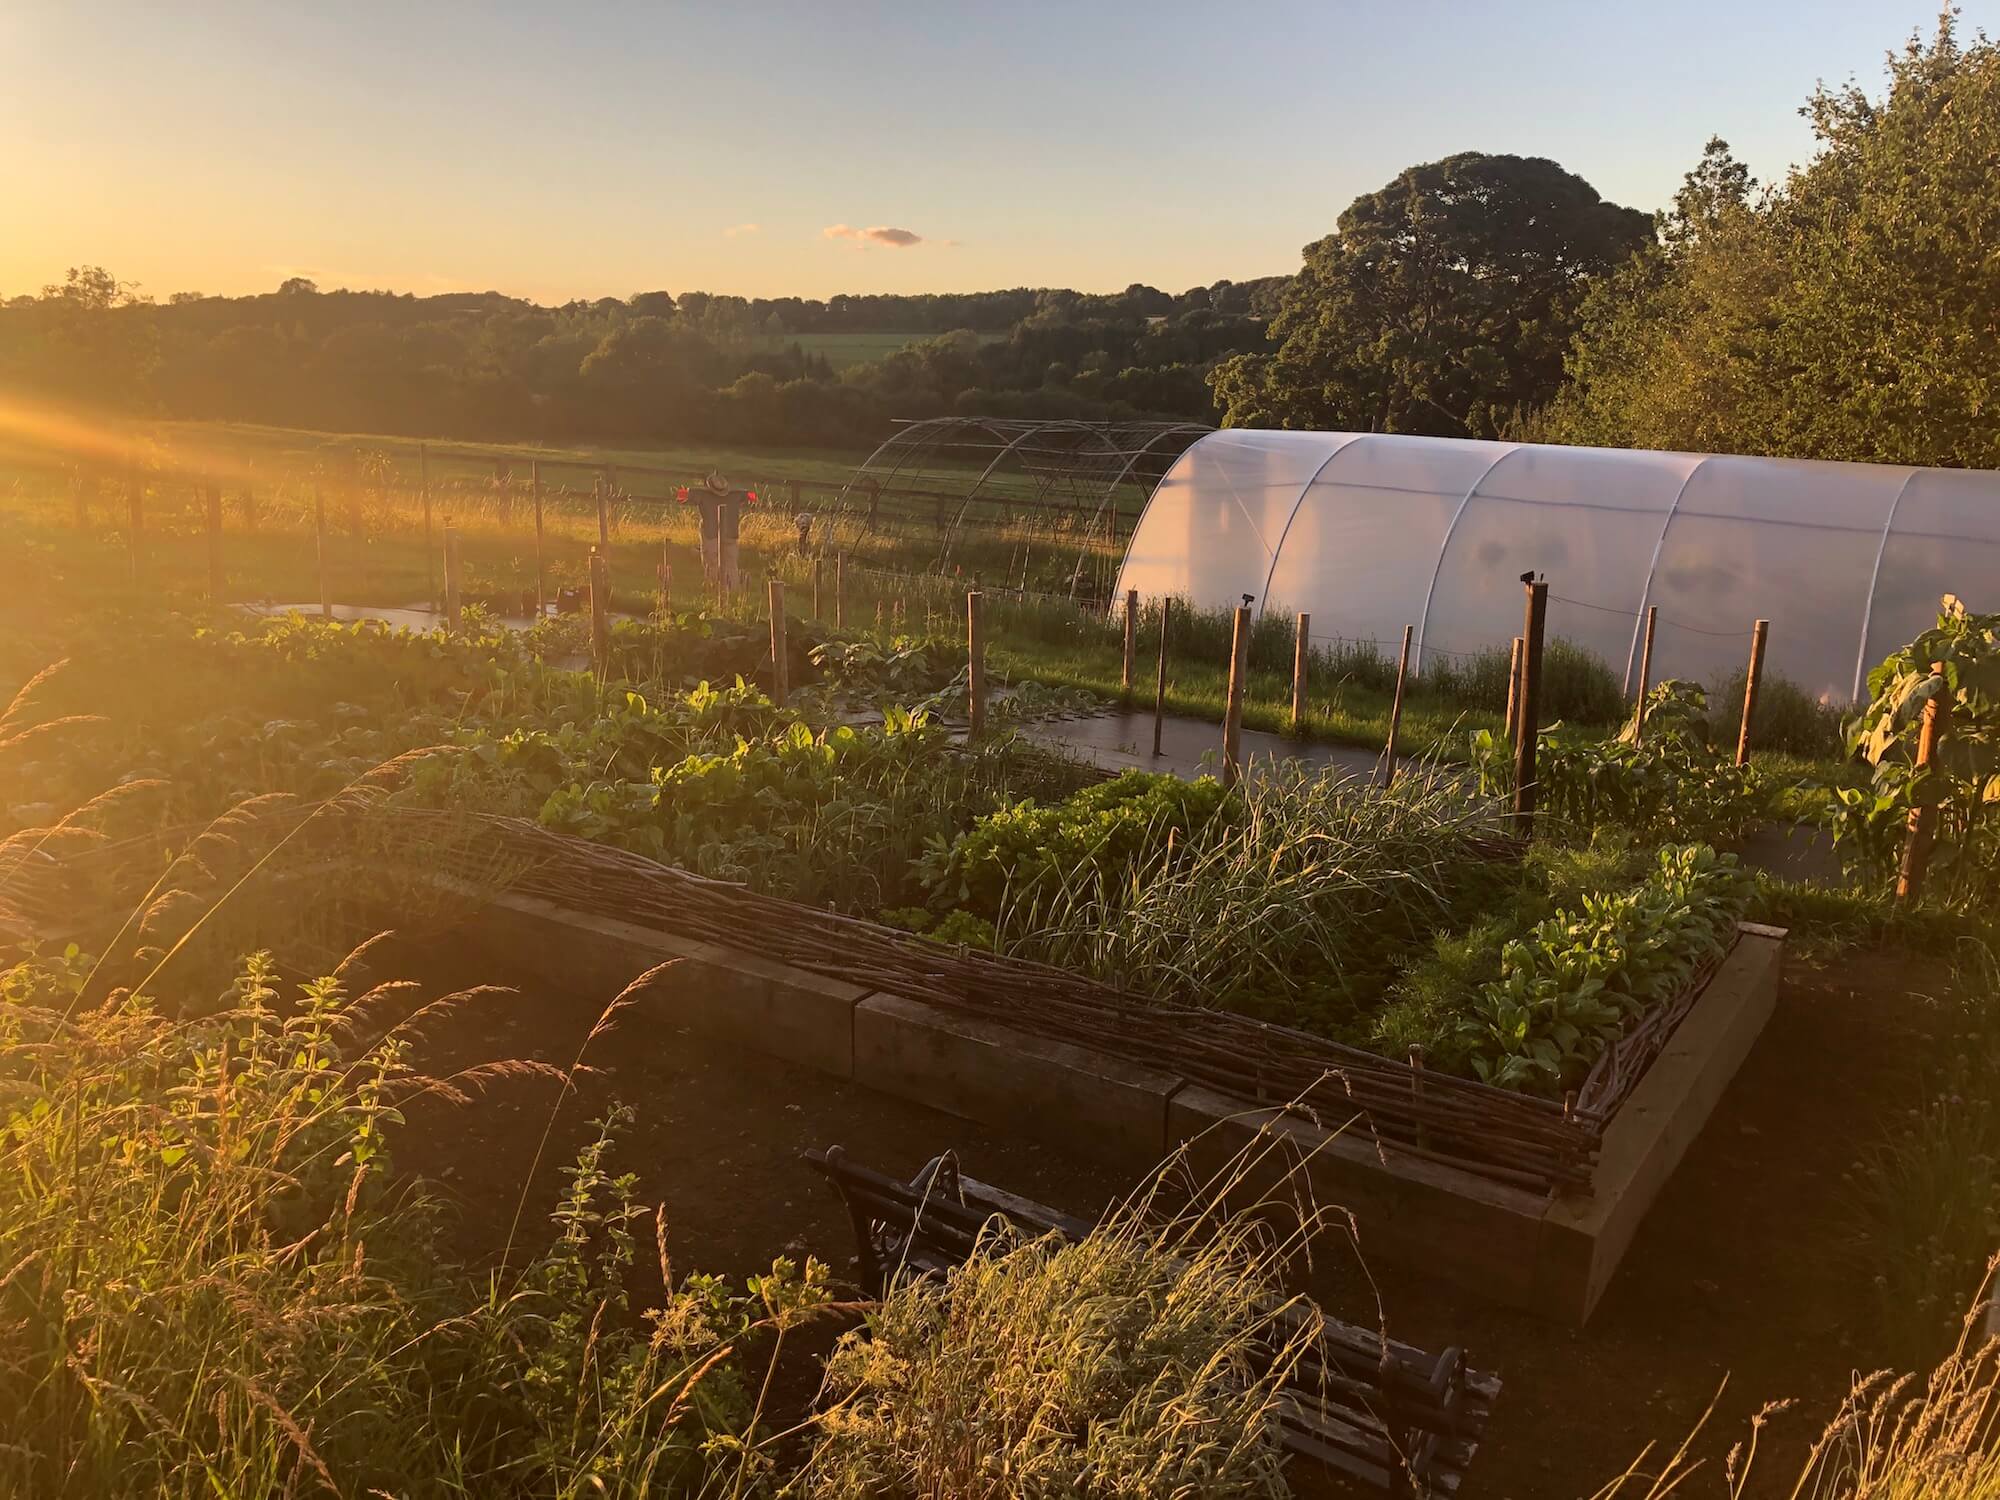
column 1442, row 304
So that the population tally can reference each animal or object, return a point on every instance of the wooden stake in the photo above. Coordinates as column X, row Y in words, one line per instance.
column 779, row 660
column 424, row 491
column 1160, row 681
column 1514, row 691
column 1752, row 679
column 1131, row 645
column 1232, row 715
column 319, row 546
column 603, row 517
column 839, row 591
column 1923, row 817
column 1301, row 657
column 975, row 667
column 541, row 567
column 666, row 583
column 452, row 591
column 819, row 588
column 212, row 498
column 1396, row 711
column 1530, row 711
column 249, row 510
column 1645, row 674
column 600, row 612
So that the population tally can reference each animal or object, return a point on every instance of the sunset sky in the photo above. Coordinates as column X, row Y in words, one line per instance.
column 764, row 149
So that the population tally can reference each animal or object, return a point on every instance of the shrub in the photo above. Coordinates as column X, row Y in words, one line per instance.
column 1788, row 720
column 1577, row 686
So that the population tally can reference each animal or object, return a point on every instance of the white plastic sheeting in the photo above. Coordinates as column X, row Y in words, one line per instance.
column 1371, row 532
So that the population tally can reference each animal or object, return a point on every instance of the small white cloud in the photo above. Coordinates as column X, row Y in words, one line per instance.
column 880, row 234
column 740, row 229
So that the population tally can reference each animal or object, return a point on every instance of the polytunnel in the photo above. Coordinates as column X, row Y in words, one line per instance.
column 1369, row 532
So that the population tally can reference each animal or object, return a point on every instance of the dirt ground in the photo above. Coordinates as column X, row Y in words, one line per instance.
column 1740, row 1274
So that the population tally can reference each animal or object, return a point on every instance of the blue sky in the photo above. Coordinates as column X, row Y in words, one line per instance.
column 600, row 149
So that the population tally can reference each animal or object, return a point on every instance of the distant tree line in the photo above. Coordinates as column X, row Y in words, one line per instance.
column 1851, row 311
column 654, row 366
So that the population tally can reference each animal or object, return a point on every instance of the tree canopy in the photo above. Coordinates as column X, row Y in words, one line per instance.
column 1852, row 312
column 1442, row 304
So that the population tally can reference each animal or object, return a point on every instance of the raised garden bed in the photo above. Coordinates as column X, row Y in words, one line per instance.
column 1521, row 1200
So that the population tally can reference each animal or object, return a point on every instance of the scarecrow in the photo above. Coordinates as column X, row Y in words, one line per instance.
column 720, row 509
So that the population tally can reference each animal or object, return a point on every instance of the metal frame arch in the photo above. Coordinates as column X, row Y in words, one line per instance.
column 1874, row 581
column 1653, row 566
column 1164, row 432
column 1444, row 546
column 1347, row 441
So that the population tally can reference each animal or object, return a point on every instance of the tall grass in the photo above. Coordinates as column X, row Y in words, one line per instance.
column 212, row 1285
column 1147, row 1358
column 1294, row 905
column 1888, row 1441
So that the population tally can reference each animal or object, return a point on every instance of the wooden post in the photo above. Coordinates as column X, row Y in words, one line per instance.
column 319, row 547
column 1645, row 674
column 666, row 583
column 1529, row 712
column 1131, row 646
column 603, row 517
column 1923, row 817
column 975, row 667
column 1514, row 691
column 212, row 505
column 1396, row 711
column 1160, row 681
column 249, row 510
column 135, row 501
column 779, row 684
column 600, row 612
column 1232, row 714
column 452, row 592
column 541, row 567
column 1752, row 679
column 1301, row 656
column 839, row 590
column 424, row 493
column 819, row 588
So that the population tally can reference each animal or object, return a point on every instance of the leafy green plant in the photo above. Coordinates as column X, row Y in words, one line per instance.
column 1575, row 981
column 1675, row 783
column 1958, row 662
column 1117, row 829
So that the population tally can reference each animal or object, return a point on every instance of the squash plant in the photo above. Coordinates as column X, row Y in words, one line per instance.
column 1958, row 659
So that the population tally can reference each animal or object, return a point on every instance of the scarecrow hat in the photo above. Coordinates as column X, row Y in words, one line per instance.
column 714, row 483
